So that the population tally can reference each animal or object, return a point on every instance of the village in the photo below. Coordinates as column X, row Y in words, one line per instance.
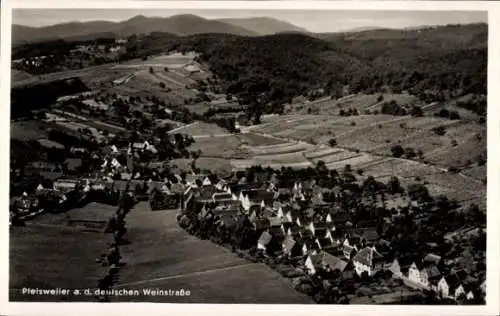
column 179, row 166
column 322, row 228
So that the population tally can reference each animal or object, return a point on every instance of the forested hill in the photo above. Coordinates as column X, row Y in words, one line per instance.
column 278, row 67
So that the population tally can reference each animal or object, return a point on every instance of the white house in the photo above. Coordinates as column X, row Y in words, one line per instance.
column 264, row 240
column 450, row 287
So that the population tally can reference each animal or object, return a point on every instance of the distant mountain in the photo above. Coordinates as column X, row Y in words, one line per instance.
column 264, row 25
column 186, row 24
column 361, row 29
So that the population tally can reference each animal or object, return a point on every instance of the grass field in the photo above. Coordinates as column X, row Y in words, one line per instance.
column 47, row 253
column 221, row 166
column 26, row 130
column 162, row 255
column 200, row 129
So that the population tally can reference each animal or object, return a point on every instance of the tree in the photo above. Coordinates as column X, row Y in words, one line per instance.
column 454, row 115
column 397, row 151
column 394, row 185
column 440, row 130
column 151, row 70
column 417, row 111
column 332, row 142
column 410, row 153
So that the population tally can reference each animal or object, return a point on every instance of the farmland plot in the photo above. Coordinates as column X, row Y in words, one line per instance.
column 281, row 148
column 212, row 273
column 400, row 168
column 477, row 172
column 337, row 156
column 353, row 161
column 375, row 137
column 200, row 129
column 458, row 186
column 221, row 166
column 242, row 164
column 256, row 140
column 220, row 147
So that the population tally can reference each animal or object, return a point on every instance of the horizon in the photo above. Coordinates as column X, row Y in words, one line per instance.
column 311, row 20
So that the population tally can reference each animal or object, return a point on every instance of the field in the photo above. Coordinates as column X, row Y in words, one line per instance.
column 47, row 253
column 365, row 142
column 220, row 166
column 451, row 106
column 26, row 130
column 200, row 129
column 361, row 102
column 213, row 274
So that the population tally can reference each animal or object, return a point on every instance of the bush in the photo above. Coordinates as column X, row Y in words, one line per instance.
column 417, row 111
column 454, row 115
column 410, row 153
column 440, row 130
column 397, row 151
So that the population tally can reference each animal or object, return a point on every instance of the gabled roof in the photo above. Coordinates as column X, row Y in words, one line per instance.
column 218, row 196
column 277, row 232
column 369, row 234
column 433, row 272
column 289, row 243
column 334, row 262
column 265, row 238
column 316, row 260
column 367, row 256
column 259, row 195
column 274, row 221
column 261, row 224
column 453, row 281
column 431, row 259
column 294, row 229
column 325, row 242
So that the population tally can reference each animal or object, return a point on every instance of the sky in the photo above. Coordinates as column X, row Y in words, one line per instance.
column 313, row 21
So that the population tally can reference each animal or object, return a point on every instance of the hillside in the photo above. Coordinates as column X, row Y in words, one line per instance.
column 180, row 25
column 281, row 66
column 264, row 25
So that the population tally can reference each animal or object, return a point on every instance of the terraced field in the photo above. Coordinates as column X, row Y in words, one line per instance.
column 367, row 143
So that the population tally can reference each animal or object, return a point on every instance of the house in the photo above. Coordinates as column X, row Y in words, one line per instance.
column 349, row 251
column 367, row 236
column 450, row 287
column 293, row 230
column 260, row 224
column 256, row 197
column 424, row 276
column 314, row 263
column 368, row 260
column 290, row 247
column 324, row 262
column 432, row 259
column 324, row 243
column 334, row 263
column 221, row 197
column 65, row 185
column 395, row 268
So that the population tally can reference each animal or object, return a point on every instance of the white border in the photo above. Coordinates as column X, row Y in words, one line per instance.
column 492, row 307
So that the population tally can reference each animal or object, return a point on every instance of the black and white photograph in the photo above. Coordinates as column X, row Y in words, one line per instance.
column 245, row 156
